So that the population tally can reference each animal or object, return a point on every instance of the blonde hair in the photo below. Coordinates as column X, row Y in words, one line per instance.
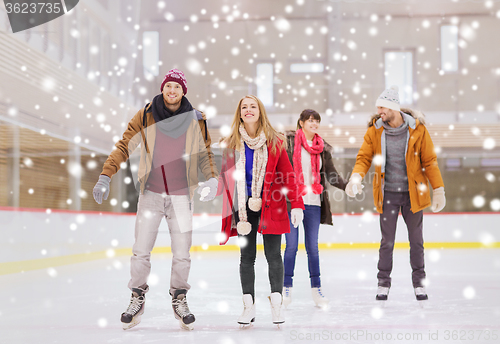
column 272, row 136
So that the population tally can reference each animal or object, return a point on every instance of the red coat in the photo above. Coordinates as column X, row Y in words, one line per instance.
column 279, row 175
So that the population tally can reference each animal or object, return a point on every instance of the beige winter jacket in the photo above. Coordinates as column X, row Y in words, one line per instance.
column 198, row 153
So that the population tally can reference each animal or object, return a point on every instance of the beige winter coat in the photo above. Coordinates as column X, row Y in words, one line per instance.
column 198, row 153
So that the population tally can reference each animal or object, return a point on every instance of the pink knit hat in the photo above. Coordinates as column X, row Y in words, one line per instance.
column 177, row 76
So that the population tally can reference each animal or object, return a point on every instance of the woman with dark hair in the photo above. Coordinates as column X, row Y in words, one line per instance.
column 311, row 158
column 262, row 173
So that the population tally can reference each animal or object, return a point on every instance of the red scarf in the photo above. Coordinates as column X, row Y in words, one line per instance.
column 314, row 150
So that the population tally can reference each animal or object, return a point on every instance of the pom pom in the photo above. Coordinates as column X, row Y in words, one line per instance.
column 255, row 204
column 317, row 189
column 244, row 227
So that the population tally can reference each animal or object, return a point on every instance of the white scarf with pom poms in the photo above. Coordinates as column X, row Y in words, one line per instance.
column 259, row 146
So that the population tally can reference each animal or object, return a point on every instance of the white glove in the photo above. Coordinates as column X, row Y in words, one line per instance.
column 354, row 186
column 208, row 189
column 297, row 216
column 101, row 189
column 438, row 200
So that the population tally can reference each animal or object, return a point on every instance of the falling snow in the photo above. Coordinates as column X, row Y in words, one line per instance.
column 100, row 85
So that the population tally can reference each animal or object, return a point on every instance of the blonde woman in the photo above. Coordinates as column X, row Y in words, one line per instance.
column 263, row 176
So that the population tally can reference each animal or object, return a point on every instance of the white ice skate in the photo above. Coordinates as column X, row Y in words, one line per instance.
column 382, row 293
column 319, row 299
column 276, row 308
column 287, row 296
column 421, row 294
column 248, row 315
column 132, row 316
column 182, row 312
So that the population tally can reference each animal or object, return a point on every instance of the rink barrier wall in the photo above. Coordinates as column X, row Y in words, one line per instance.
column 52, row 262
column 34, row 239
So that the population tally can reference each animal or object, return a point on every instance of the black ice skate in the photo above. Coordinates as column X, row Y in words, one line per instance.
column 181, row 310
column 132, row 316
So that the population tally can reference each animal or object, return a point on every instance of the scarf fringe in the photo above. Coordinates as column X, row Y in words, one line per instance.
column 259, row 145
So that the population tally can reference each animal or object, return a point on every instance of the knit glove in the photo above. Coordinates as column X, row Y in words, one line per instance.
column 101, row 189
column 438, row 200
column 354, row 186
column 297, row 216
column 208, row 189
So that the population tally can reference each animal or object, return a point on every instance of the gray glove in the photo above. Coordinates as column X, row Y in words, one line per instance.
column 101, row 188
column 208, row 189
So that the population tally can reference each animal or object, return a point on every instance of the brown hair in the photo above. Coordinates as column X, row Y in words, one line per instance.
column 272, row 136
column 306, row 114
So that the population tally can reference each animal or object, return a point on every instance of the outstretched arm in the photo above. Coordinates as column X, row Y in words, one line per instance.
column 364, row 157
column 290, row 182
column 428, row 159
column 206, row 160
column 332, row 176
column 130, row 140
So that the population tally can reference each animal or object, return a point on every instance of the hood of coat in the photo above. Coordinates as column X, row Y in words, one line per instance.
column 416, row 115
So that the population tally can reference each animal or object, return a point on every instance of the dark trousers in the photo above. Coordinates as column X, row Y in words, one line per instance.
column 393, row 203
column 272, row 251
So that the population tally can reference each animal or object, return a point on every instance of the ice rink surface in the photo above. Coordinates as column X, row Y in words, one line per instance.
column 82, row 303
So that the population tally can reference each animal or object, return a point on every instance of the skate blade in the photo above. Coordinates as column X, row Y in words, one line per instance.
column 245, row 324
column 278, row 325
column 422, row 303
column 381, row 303
column 187, row 327
column 323, row 305
column 135, row 321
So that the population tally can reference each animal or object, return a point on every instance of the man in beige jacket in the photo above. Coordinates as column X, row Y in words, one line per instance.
column 172, row 142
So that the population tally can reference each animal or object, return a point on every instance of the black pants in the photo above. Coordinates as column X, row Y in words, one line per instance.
column 393, row 202
column 272, row 251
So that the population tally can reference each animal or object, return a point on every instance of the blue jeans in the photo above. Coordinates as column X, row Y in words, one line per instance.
column 312, row 218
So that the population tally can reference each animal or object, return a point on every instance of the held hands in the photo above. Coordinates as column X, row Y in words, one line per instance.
column 101, row 189
column 297, row 215
column 354, row 186
column 208, row 189
column 438, row 199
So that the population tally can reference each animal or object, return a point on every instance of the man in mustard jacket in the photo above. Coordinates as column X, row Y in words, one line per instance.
column 401, row 148
column 172, row 142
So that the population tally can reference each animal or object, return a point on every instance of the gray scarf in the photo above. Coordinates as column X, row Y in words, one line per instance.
column 177, row 125
column 395, row 131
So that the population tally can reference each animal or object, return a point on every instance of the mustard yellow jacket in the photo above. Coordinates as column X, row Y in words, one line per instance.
column 421, row 161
